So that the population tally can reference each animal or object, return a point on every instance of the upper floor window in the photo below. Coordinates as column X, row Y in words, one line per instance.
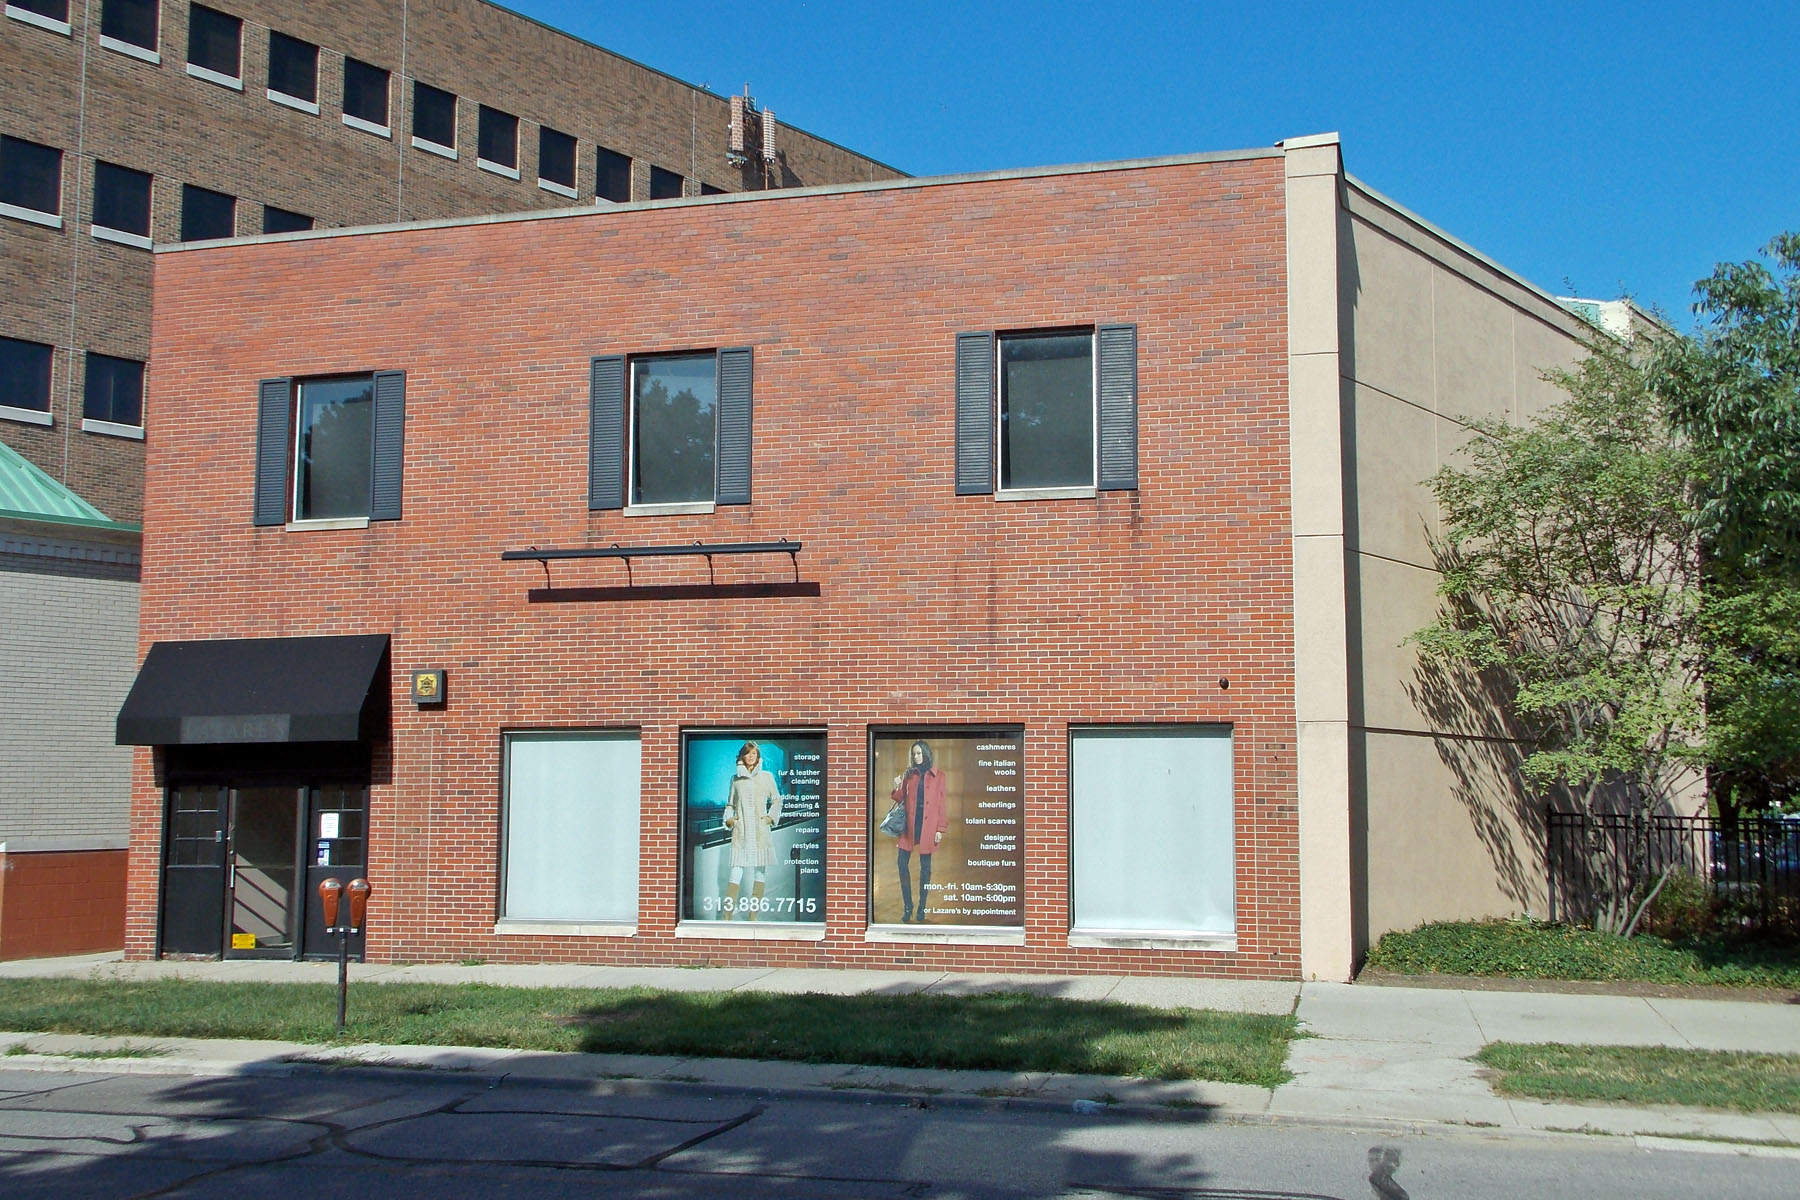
column 113, row 391
column 25, row 377
column 293, row 72
column 612, row 175
column 670, row 431
column 365, row 96
column 280, row 220
column 434, row 119
column 130, row 25
column 45, row 14
column 31, row 181
column 121, row 204
column 556, row 161
column 215, row 46
column 330, row 449
column 664, row 184
column 1046, row 412
column 497, row 141
column 206, row 214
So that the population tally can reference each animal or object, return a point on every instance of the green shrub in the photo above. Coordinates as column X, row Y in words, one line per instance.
column 1685, row 908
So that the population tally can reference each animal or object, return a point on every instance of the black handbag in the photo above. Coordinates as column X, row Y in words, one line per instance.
column 894, row 824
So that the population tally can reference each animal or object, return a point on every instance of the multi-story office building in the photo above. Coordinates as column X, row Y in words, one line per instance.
column 126, row 123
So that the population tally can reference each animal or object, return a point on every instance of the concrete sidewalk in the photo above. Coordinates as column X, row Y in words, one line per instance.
column 1371, row 1054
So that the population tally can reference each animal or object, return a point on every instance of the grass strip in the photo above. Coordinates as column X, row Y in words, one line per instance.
column 992, row 1031
column 1722, row 1079
column 1525, row 949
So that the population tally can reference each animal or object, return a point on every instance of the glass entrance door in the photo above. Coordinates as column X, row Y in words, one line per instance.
column 265, row 878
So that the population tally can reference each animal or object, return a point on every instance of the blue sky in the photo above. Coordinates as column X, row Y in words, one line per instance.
column 1607, row 149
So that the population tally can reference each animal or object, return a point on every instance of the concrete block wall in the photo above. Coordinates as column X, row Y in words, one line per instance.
column 932, row 608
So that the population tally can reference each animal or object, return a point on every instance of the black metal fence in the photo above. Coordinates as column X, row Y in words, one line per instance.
column 1742, row 875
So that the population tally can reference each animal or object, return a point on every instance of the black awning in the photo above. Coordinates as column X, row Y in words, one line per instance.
column 304, row 689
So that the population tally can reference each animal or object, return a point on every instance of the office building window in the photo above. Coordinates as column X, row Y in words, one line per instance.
column 24, row 375
column 45, row 14
column 365, row 95
column 556, row 161
column 664, row 184
column 130, row 23
column 206, row 214
column 114, row 390
column 294, row 70
column 434, row 119
column 122, row 200
column 612, row 175
column 280, row 220
column 215, row 45
column 31, row 181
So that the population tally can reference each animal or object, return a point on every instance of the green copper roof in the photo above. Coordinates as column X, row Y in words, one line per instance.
column 27, row 494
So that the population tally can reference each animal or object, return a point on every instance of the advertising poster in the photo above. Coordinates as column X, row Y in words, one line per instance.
column 753, row 827
column 955, row 853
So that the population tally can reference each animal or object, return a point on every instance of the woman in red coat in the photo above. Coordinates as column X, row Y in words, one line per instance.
column 920, row 791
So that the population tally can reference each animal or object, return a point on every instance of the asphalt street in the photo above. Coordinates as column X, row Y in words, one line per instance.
column 327, row 1134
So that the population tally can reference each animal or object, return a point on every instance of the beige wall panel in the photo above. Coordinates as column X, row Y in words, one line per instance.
column 1316, row 444
column 1465, row 846
column 1395, row 452
column 1538, row 348
column 1388, row 343
column 1395, row 601
column 1473, row 340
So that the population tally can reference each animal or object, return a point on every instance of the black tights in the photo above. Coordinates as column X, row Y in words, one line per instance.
column 906, row 881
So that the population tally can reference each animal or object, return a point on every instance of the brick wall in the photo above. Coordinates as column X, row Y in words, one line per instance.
column 933, row 608
column 69, row 290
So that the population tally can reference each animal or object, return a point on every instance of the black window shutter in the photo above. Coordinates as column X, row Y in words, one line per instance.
column 606, row 433
column 274, row 405
column 1117, row 350
column 389, row 455
column 732, row 462
column 974, row 414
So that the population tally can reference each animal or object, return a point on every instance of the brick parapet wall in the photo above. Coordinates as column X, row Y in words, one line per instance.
column 933, row 608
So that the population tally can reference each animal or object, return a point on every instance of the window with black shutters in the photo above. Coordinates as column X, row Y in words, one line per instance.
column 434, row 117
column 130, row 22
column 670, row 431
column 121, row 200
column 215, row 44
column 664, row 184
column 497, row 139
column 280, row 220
column 294, row 69
column 30, row 177
column 556, row 159
column 114, row 390
column 365, row 94
column 24, row 375
column 206, row 214
column 612, row 175
column 330, row 449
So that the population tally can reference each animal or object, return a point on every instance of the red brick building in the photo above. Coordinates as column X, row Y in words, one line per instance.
column 1046, row 470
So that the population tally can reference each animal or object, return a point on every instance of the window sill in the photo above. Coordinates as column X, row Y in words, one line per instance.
column 561, row 189
column 380, row 131
column 448, row 152
column 42, row 22
column 497, row 168
column 753, row 931
column 327, row 523
column 48, row 220
column 512, row 928
column 210, row 76
column 948, row 935
column 154, row 58
column 1049, row 493
column 102, row 233
column 294, row 102
column 112, row 429
column 28, row 416
column 695, row 508
column 1125, row 939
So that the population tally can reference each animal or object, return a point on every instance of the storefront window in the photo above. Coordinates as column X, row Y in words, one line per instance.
column 753, row 827
column 572, row 823
column 947, row 828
